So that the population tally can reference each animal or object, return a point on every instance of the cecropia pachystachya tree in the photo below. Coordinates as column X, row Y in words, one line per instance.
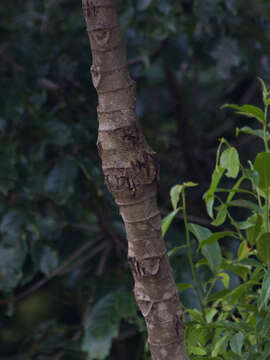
column 131, row 172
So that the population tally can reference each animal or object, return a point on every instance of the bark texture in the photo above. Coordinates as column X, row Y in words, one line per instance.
column 131, row 172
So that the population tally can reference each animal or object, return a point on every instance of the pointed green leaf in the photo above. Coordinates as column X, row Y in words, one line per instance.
column 217, row 236
column 175, row 195
column 265, row 92
column 243, row 250
column 143, row 4
column 166, row 222
column 211, row 252
column 263, row 248
column 263, row 326
column 237, row 342
column 220, row 345
column 221, row 215
column 252, row 233
column 248, row 130
column 229, row 160
column 265, row 293
column 183, row 286
column 209, row 194
column 247, row 110
column 175, row 250
column 262, row 166
column 246, row 204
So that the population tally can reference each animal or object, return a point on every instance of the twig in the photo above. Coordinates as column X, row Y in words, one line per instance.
column 153, row 55
column 55, row 272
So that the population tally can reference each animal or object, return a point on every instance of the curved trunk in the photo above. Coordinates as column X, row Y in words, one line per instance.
column 131, row 171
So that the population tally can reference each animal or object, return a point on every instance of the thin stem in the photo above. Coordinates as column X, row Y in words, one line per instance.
column 193, row 270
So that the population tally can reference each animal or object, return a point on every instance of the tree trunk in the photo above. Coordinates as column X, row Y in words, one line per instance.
column 131, row 172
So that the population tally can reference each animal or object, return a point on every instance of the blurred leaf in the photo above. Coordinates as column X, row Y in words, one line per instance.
column 59, row 184
column 11, row 226
column 11, row 262
column 49, row 260
column 225, row 64
column 143, row 4
column 263, row 326
column 236, row 343
column 102, row 325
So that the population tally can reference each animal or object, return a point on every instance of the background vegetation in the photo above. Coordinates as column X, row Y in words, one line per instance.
column 63, row 262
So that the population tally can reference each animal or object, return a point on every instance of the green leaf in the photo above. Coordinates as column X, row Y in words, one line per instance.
column 101, row 327
column 247, row 110
column 265, row 92
column 175, row 195
column 175, row 250
column 266, row 351
column 221, row 215
column 246, row 204
column 239, row 269
column 11, row 227
column 166, row 222
column 183, row 286
column 49, row 260
column 220, row 345
column 248, row 130
column 262, row 166
column 196, row 350
column 252, row 233
column 189, row 184
column 218, row 295
column 263, row 326
column 265, row 293
column 252, row 175
column 229, row 160
column 237, row 342
column 59, row 185
column 212, row 251
column 209, row 194
column 216, row 236
column 225, row 278
column 243, row 250
column 263, row 248
column 11, row 263
column 143, row 4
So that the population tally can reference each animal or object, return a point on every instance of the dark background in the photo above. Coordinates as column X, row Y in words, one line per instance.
column 63, row 251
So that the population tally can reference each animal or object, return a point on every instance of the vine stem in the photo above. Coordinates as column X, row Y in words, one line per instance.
column 193, row 270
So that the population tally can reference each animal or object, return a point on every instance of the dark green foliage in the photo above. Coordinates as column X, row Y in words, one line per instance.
column 62, row 245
